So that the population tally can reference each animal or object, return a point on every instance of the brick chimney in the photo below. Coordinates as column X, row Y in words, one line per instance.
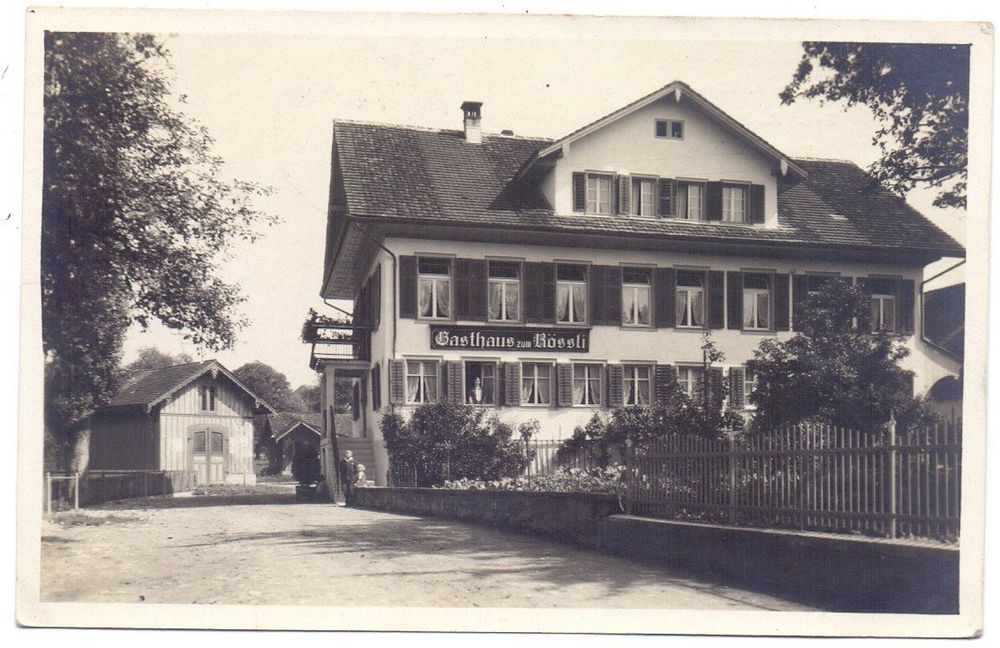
column 473, row 116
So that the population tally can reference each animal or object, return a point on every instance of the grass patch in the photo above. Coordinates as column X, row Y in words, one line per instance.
column 80, row 518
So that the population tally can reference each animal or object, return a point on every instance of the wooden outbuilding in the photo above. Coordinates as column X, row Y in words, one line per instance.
column 194, row 418
column 295, row 434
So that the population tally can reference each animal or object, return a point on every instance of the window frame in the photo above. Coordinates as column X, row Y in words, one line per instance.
column 436, row 374
column 768, row 292
column 882, row 298
column 435, row 279
column 534, row 364
column 588, row 378
column 598, row 175
column 633, row 368
column 519, row 264
column 689, row 289
column 208, row 397
column 635, row 287
column 654, row 197
column 749, row 385
column 669, row 129
column 727, row 187
column 684, row 187
column 495, row 365
column 692, row 380
column 571, row 283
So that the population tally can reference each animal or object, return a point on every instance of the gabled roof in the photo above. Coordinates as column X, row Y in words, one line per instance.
column 679, row 90
column 405, row 175
column 152, row 386
column 283, row 423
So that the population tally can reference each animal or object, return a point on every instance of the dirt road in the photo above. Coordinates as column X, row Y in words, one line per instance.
column 268, row 549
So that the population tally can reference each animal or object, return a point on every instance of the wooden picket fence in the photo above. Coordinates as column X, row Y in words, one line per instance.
column 808, row 477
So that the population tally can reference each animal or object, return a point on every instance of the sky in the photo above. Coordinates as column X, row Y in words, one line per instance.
column 269, row 102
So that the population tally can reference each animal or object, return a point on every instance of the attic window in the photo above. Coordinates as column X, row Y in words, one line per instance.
column 208, row 398
column 670, row 129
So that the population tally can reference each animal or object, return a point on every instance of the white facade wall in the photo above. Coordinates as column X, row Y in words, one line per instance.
column 623, row 345
column 628, row 147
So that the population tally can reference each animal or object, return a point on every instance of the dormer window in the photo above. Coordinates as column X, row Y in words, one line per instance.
column 670, row 129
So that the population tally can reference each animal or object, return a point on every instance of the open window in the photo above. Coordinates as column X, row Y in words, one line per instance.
column 536, row 383
column 433, row 288
column 480, row 383
column 571, row 294
column 756, row 301
column 504, row 291
column 636, row 289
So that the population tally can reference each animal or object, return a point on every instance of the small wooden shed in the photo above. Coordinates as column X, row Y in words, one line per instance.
column 295, row 433
column 195, row 418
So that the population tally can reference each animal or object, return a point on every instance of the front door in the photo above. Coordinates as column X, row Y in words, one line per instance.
column 209, row 456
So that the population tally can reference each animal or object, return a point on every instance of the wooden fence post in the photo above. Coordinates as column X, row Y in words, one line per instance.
column 76, row 491
column 893, row 458
column 629, row 492
column 48, row 492
column 732, row 478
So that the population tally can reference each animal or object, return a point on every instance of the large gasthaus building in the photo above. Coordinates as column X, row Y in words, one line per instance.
column 551, row 279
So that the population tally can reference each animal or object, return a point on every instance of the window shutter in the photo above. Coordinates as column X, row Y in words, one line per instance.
column 737, row 377
column 781, row 302
column 375, row 378
column 616, row 386
column 666, row 379
column 579, row 191
column 397, row 382
column 548, row 294
column 377, row 298
column 512, row 383
column 800, row 290
column 865, row 321
column 714, row 382
column 757, row 204
column 668, row 197
column 906, row 306
column 564, row 387
column 462, row 306
column 735, row 299
column 456, row 386
column 477, row 290
column 613, row 296
column 713, row 201
column 624, row 194
column 532, row 289
column 501, row 383
column 716, row 299
column 408, row 286
column 597, row 296
column 664, row 294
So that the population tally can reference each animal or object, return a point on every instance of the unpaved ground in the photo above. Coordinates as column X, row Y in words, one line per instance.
column 265, row 548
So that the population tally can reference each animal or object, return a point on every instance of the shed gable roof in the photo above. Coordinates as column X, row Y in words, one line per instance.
column 152, row 386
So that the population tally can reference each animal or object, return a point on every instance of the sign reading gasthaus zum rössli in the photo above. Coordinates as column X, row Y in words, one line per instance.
column 509, row 339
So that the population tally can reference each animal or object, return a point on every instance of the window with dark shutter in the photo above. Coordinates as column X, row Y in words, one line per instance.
column 800, row 290
column 781, row 302
column 906, row 305
column 397, row 382
column 512, row 383
column 564, row 384
column 736, row 376
column 616, row 383
column 666, row 382
column 734, row 299
column 664, row 285
column 579, row 192
column 624, row 194
column 716, row 299
column 757, row 204
column 668, row 198
column 408, row 286
column 713, row 201
column 375, row 377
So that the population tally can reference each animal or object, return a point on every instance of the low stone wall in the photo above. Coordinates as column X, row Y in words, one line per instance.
column 569, row 517
column 842, row 573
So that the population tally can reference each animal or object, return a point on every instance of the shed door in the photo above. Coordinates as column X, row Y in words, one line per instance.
column 209, row 457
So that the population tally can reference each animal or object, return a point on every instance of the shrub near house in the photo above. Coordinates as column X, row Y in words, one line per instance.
column 443, row 441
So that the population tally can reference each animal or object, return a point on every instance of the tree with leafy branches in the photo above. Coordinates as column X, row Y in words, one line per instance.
column 918, row 93
column 152, row 358
column 136, row 216
column 835, row 369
